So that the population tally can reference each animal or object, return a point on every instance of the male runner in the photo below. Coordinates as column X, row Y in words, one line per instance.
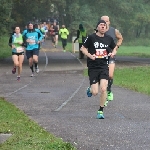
column 97, row 47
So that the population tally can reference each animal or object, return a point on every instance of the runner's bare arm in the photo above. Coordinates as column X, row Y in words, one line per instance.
column 119, row 37
column 85, row 52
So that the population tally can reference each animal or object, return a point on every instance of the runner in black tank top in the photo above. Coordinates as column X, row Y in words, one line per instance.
column 117, row 37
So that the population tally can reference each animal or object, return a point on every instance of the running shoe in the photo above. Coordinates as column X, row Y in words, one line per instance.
column 106, row 103
column 100, row 115
column 110, row 96
column 18, row 78
column 14, row 70
column 32, row 75
column 37, row 70
column 88, row 92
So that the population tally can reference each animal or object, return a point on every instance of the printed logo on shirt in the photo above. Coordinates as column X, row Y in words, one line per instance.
column 101, row 51
column 101, row 45
column 85, row 39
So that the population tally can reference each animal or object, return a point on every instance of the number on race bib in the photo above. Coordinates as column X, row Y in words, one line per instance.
column 101, row 53
column 32, row 42
column 19, row 49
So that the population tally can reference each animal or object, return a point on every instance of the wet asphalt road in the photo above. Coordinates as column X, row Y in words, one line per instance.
column 56, row 99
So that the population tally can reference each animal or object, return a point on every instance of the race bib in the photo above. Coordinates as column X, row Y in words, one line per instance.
column 101, row 53
column 32, row 42
column 19, row 49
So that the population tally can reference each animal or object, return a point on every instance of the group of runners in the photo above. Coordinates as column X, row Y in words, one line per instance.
column 29, row 42
column 26, row 42
column 99, row 47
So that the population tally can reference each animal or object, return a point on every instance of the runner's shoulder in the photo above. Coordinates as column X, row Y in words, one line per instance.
column 93, row 35
column 107, row 36
column 24, row 31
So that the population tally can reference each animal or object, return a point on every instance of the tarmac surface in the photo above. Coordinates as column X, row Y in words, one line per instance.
column 56, row 99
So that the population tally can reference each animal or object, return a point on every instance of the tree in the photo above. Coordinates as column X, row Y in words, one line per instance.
column 5, row 15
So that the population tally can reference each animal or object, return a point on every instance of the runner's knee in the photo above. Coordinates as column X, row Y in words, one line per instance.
column 103, row 89
column 16, row 64
column 35, row 60
column 94, row 92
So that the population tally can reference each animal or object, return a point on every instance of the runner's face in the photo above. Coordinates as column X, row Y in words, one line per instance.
column 30, row 26
column 102, row 28
column 106, row 19
column 17, row 30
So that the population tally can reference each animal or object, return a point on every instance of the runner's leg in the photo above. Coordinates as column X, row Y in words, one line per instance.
column 21, row 59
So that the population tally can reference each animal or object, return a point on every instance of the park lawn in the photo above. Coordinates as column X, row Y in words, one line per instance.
column 133, row 78
column 68, row 47
column 26, row 134
column 139, row 51
column 5, row 50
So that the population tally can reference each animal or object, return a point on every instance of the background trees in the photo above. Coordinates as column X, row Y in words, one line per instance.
column 131, row 17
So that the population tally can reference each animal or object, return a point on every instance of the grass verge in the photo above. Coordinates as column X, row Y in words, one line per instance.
column 5, row 50
column 26, row 134
column 133, row 78
column 68, row 47
column 137, row 51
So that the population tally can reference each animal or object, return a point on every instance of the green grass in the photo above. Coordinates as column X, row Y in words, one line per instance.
column 68, row 47
column 5, row 50
column 139, row 51
column 133, row 78
column 26, row 134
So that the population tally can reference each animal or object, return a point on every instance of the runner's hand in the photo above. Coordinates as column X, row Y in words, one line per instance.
column 92, row 57
column 28, row 41
column 38, row 42
column 13, row 46
column 20, row 43
column 114, row 52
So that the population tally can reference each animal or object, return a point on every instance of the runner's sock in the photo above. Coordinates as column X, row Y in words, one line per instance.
column 110, row 82
column 31, row 67
column 101, row 108
column 36, row 64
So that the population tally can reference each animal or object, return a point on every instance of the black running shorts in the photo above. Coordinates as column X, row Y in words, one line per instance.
column 13, row 53
column 112, row 60
column 30, row 53
column 95, row 75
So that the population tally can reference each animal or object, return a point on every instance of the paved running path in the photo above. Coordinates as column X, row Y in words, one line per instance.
column 56, row 99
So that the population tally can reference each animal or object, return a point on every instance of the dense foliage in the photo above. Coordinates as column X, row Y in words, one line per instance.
column 131, row 17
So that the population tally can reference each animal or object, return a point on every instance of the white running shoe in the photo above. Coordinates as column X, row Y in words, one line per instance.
column 32, row 75
column 37, row 70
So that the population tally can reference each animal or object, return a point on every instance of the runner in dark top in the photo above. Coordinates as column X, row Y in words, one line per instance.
column 56, row 30
column 97, row 47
